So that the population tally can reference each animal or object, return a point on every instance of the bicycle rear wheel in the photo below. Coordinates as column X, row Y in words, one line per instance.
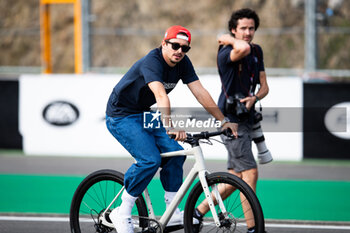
column 93, row 196
column 243, row 209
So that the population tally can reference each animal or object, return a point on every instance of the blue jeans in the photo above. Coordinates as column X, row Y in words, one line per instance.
column 145, row 145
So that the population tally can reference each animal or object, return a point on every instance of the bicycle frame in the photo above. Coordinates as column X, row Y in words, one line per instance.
column 199, row 170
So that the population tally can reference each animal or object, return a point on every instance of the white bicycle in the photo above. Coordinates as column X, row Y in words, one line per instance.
column 232, row 204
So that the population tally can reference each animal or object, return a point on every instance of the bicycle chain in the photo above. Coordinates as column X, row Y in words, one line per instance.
column 157, row 228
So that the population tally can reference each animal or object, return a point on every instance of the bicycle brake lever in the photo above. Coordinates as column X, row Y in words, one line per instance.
column 228, row 133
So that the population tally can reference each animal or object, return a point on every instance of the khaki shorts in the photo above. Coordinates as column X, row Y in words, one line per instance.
column 240, row 155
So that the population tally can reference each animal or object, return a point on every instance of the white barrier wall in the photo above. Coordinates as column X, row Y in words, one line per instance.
column 64, row 115
column 85, row 136
column 284, row 101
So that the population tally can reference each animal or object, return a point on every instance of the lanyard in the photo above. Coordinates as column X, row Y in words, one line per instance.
column 251, row 76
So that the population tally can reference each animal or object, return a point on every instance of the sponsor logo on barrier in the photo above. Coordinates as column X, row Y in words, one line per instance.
column 337, row 120
column 60, row 113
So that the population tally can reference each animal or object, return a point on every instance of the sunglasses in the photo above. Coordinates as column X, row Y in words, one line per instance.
column 176, row 46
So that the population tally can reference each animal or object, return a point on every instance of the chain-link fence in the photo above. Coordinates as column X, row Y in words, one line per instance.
column 120, row 32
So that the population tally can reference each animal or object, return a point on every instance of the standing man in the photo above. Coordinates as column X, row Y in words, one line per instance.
column 241, row 68
column 148, row 82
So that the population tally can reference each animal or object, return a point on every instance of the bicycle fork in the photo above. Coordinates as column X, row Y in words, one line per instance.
column 208, row 195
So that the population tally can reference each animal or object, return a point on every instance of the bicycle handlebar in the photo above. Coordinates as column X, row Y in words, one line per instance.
column 207, row 135
column 204, row 135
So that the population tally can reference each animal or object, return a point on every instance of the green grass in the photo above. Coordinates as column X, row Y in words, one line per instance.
column 305, row 200
column 280, row 199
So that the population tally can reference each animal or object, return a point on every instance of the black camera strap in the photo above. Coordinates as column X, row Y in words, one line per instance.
column 252, row 81
column 258, row 55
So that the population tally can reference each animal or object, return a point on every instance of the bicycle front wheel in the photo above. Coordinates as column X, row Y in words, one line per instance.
column 241, row 208
column 93, row 196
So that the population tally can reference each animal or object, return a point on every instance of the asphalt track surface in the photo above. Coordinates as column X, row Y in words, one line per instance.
column 42, row 224
column 16, row 163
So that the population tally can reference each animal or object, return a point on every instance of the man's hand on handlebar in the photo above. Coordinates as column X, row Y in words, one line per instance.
column 180, row 135
column 232, row 126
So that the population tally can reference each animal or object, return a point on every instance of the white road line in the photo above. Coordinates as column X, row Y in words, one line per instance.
column 268, row 225
column 307, row 226
column 34, row 219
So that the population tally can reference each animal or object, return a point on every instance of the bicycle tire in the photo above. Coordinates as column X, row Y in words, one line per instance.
column 93, row 196
column 235, row 220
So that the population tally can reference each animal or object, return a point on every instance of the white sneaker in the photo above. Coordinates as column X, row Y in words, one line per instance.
column 121, row 224
column 177, row 218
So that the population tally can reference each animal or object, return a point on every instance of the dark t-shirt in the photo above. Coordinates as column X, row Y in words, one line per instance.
column 238, row 77
column 132, row 94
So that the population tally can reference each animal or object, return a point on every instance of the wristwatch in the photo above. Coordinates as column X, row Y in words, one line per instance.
column 256, row 98
column 225, row 120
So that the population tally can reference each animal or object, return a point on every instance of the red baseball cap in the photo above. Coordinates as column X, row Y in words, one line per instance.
column 178, row 32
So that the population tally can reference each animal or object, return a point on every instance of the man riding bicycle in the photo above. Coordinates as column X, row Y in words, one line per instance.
column 148, row 82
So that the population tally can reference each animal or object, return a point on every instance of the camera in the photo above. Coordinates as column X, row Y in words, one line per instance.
column 234, row 106
column 257, row 117
column 264, row 155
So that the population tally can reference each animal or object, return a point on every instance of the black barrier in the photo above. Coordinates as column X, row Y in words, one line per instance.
column 325, row 120
column 10, row 137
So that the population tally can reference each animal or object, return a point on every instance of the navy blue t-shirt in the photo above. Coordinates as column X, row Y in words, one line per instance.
column 240, row 76
column 132, row 94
